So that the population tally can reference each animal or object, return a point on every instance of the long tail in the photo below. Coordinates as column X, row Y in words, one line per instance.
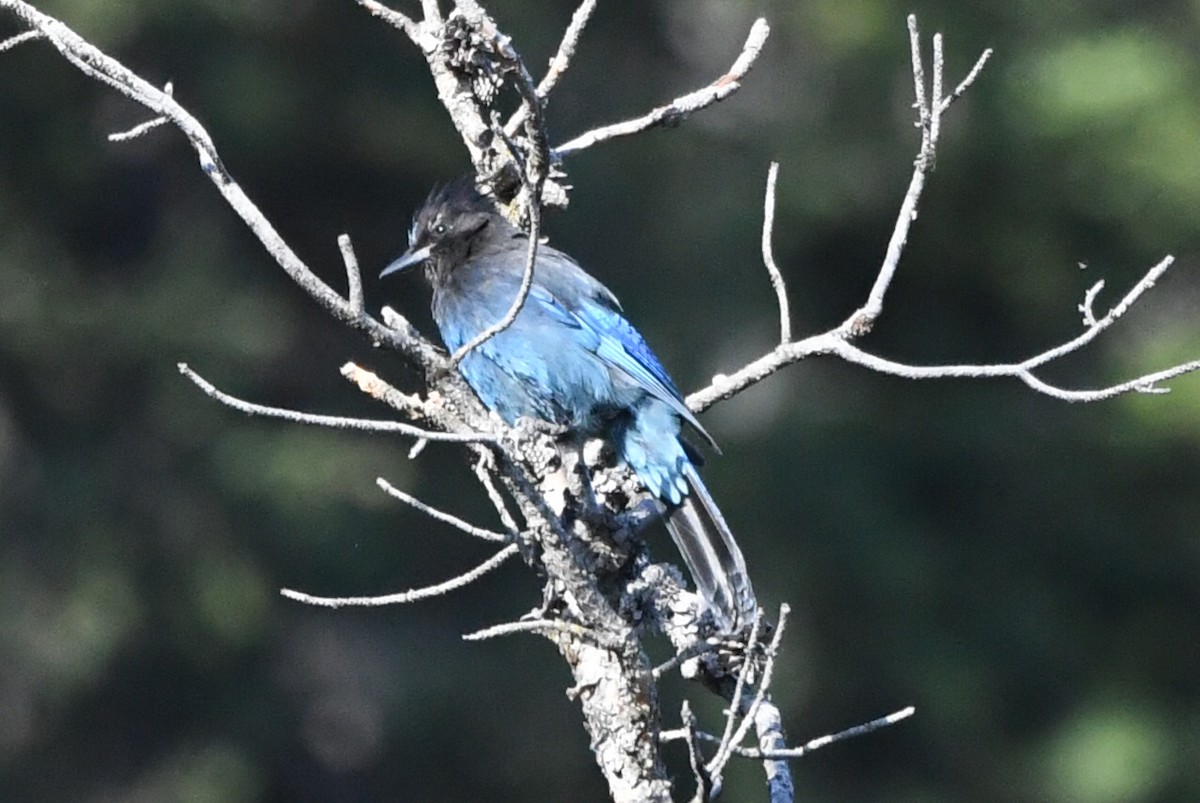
column 712, row 555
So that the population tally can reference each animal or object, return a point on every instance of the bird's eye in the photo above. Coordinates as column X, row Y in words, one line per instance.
column 439, row 228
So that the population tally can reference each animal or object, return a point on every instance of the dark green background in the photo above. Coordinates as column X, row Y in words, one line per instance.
column 1025, row 572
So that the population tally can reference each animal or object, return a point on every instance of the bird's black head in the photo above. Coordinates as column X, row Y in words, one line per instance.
column 452, row 224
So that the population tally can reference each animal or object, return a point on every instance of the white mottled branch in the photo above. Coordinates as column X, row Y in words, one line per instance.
column 929, row 120
column 768, row 255
column 414, row 595
column 332, row 421
column 441, row 515
column 680, row 108
column 13, row 41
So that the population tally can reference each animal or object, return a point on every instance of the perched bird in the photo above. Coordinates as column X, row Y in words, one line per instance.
column 570, row 358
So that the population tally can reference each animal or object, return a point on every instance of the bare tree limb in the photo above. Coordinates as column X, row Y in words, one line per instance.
column 480, row 467
column 415, row 594
column 332, row 421
column 452, row 520
column 797, row 752
column 560, row 62
column 566, row 48
column 95, row 64
column 548, row 628
column 354, row 288
column 679, row 109
column 13, row 41
column 835, row 343
column 716, row 767
column 768, row 255
column 929, row 120
column 535, row 229
column 396, row 19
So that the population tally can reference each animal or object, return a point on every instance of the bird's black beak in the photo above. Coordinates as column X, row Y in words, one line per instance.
column 413, row 256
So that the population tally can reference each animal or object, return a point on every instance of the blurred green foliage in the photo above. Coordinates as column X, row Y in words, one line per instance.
column 1025, row 572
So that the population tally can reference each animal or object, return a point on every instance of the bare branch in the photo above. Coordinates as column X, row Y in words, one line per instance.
column 535, row 165
column 535, row 227
column 333, row 421
column 1149, row 280
column 1147, row 383
column 695, row 758
column 395, row 18
column 679, row 109
column 407, row 596
column 560, row 62
column 838, row 341
column 354, row 289
column 834, row 342
column 375, row 387
column 929, row 121
column 95, row 64
column 548, row 628
column 13, row 41
column 432, row 13
column 840, row 736
column 142, row 128
column 717, row 764
column 489, row 485
column 1089, row 299
column 453, row 521
column 935, row 108
column 966, row 82
column 768, row 254
column 808, row 747
column 566, row 48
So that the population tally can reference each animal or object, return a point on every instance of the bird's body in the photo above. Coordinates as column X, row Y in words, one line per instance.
column 570, row 358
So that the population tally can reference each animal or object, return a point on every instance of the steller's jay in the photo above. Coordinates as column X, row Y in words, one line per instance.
column 571, row 359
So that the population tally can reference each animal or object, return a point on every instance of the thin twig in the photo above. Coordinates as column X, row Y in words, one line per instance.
column 107, row 70
column 432, row 13
column 718, row 761
column 333, row 421
column 394, row 18
column 695, row 758
column 13, row 41
column 807, row 747
column 716, row 766
column 679, row 109
column 966, row 82
column 768, row 255
column 138, row 130
column 535, row 225
column 840, row 736
column 694, row 651
column 489, row 485
column 862, row 319
column 545, row 627
column 142, row 128
column 918, row 73
column 560, row 62
column 1089, row 299
column 407, row 596
column 935, row 108
column 354, row 288
column 440, row 515
column 566, row 48
column 371, row 384
column 536, row 165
